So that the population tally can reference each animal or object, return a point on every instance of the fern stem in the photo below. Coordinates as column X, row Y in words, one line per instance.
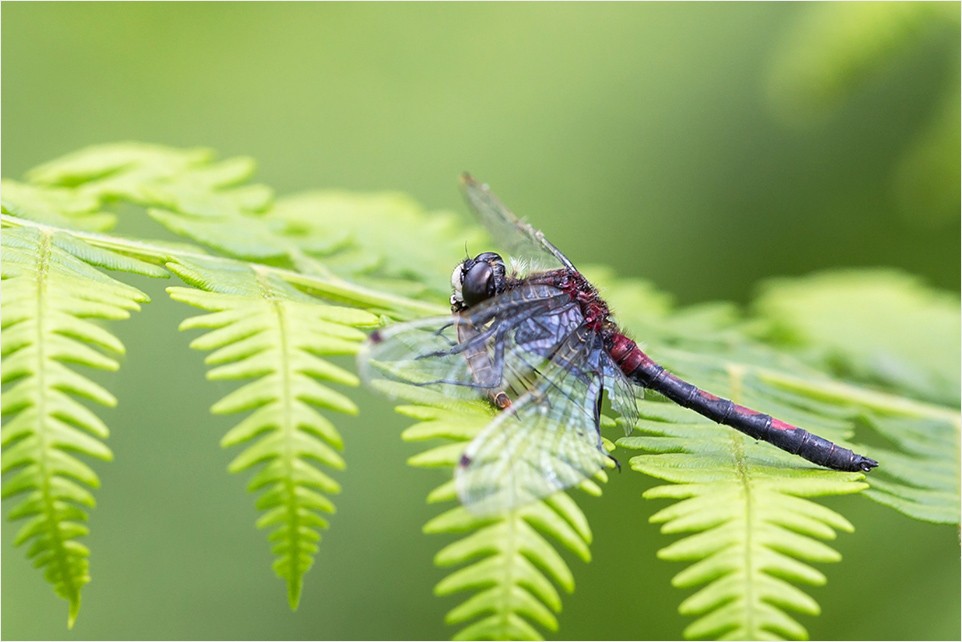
column 61, row 558
column 508, row 584
column 289, row 453
column 328, row 285
column 736, row 378
column 748, row 552
column 837, row 392
column 849, row 394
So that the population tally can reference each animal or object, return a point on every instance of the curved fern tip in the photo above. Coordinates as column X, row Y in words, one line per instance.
column 294, row 592
column 74, row 610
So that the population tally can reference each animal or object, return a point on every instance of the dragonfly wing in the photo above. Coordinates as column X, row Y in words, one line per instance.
column 520, row 238
column 621, row 392
column 546, row 441
column 427, row 353
column 494, row 346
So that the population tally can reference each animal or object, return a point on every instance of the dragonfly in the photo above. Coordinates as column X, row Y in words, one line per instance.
column 534, row 338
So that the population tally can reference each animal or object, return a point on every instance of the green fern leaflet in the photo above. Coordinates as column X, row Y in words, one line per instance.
column 49, row 294
column 510, row 560
column 263, row 329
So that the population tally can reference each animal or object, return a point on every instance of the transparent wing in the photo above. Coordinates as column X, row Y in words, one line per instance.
column 546, row 441
column 529, row 347
column 518, row 237
column 621, row 392
column 496, row 346
column 425, row 353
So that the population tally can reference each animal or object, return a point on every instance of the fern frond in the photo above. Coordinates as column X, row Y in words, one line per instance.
column 334, row 235
column 511, row 560
column 49, row 292
column 261, row 328
column 376, row 254
column 886, row 329
column 751, row 522
column 746, row 501
column 882, row 327
column 277, row 333
column 57, row 206
column 153, row 175
column 922, row 479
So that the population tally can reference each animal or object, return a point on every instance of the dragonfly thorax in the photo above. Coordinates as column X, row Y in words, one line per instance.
column 476, row 280
column 593, row 307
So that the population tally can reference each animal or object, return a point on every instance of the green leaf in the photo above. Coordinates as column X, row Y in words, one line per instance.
column 54, row 206
column 509, row 560
column 879, row 327
column 50, row 291
column 755, row 530
column 118, row 170
column 887, row 330
column 375, row 253
column 261, row 328
column 922, row 478
column 744, row 502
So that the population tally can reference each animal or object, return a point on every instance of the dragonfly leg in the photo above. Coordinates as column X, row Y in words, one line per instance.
column 617, row 463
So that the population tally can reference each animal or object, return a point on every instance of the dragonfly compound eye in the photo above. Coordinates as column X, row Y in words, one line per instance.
column 481, row 278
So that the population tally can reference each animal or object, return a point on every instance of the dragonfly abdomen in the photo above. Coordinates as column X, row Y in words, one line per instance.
column 640, row 368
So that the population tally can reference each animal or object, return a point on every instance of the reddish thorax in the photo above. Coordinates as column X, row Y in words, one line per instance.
column 594, row 309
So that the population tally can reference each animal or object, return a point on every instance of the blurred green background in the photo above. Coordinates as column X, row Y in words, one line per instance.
column 702, row 146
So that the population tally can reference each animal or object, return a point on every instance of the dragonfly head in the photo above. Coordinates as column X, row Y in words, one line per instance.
column 475, row 280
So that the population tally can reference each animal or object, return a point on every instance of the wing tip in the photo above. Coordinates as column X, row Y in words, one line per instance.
column 470, row 182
